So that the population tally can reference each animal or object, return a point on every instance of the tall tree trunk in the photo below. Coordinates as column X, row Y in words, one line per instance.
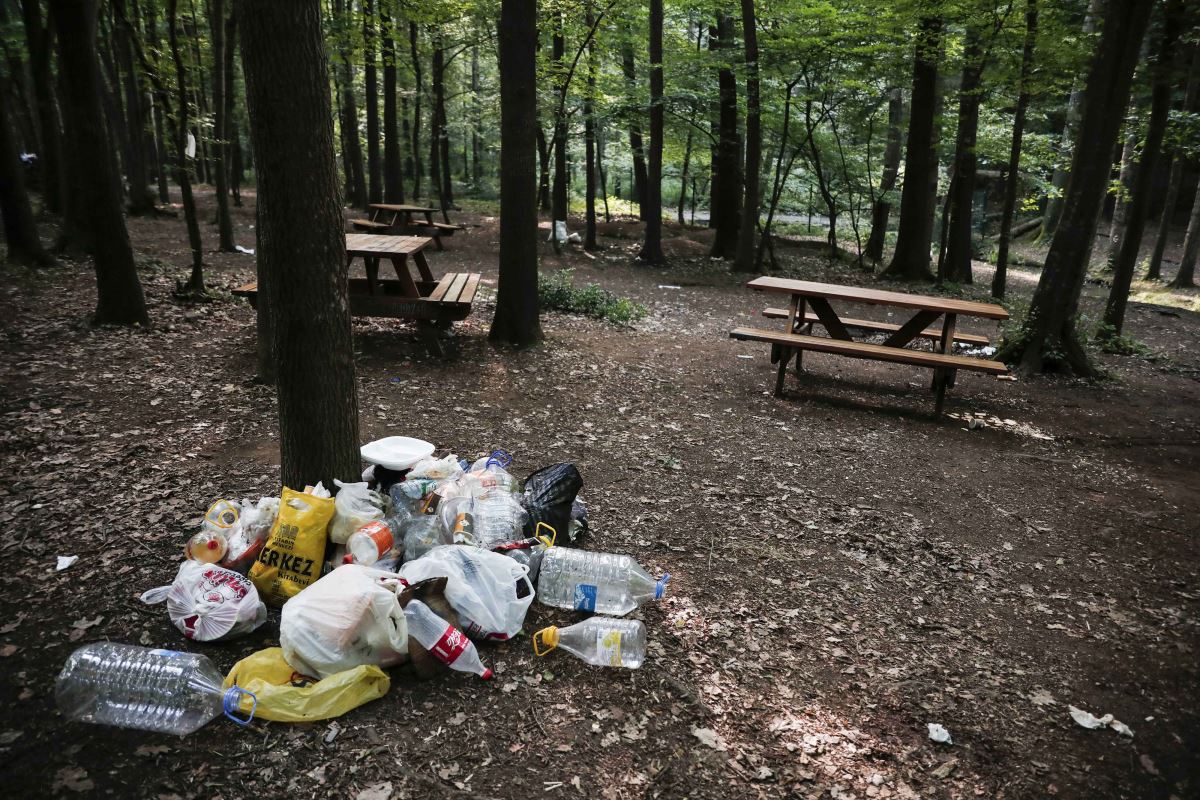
column 1119, row 219
column 435, row 123
column 683, row 174
column 1012, row 174
column 157, row 114
column 881, row 208
column 1143, row 187
column 1048, row 337
column 745, row 261
column 371, row 82
column 442, row 141
column 636, row 147
column 119, row 293
column 418, row 93
column 233, row 146
column 918, row 197
column 725, row 207
column 476, row 122
column 220, row 128
column 75, row 238
column 183, row 177
column 543, row 151
column 37, row 41
column 393, row 172
column 1185, row 278
column 1175, row 181
column 559, row 187
column 141, row 198
column 20, row 230
column 110, row 99
column 356, row 181
column 651, row 252
column 516, row 320
column 589, row 139
column 318, row 420
column 957, row 266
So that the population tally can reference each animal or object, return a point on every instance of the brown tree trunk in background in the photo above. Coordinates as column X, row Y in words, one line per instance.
column 745, row 260
column 1175, row 182
column 220, row 127
column 318, row 419
column 589, row 140
column 75, row 238
column 1143, row 186
column 233, row 150
column 516, row 319
column 1012, row 174
column 371, row 82
column 37, row 41
column 393, row 171
column 160, row 136
column 435, row 124
column 957, row 265
column 558, row 193
column 1185, row 278
column 651, row 252
column 119, row 293
column 1048, row 337
column 543, row 151
column 110, row 99
column 881, row 209
column 636, row 146
column 418, row 93
column 476, row 123
column 1116, row 228
column 918, row 197
column 356, row 180
column 141, row 198
column 183, row 177
column 725, row 207
column 20, row 230
column 442, row 141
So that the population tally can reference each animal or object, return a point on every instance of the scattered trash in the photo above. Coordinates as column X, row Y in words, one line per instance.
column 64, row 562
column 285, row 695
column 709, row 738
column 600, row 641
column 668, row 286
column 209, row 603
column 605, row 583
column 291, row 558
column 207, row 546
column 490, row 592
column 396, row 452
column 164, row 691
column 444, row 641
column 1087, row 720
column 354, row 506
column 939, row 734
column 247, row 250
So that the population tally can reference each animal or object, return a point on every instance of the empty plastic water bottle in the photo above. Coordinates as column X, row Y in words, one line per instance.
column 444, row 642
column 164, row 691
column 602, row 582
column 600, row 641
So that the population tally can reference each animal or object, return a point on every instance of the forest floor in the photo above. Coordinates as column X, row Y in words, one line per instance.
column 846, row 570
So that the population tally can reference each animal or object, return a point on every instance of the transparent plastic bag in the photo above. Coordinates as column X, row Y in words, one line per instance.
column 490, row 592
column 436, row 468
column 354, row 506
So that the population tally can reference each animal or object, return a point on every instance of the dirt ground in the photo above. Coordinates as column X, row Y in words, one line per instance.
column 846, row 570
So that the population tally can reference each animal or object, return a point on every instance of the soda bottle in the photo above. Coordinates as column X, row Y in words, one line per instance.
column 208, row 546
column 375, row 540
column 164, row 691
column 409, row 494
column 444, row 642
column 605, row 583
column 600, row 641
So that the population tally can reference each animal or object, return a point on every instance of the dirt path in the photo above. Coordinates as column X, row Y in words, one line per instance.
column 846, row 571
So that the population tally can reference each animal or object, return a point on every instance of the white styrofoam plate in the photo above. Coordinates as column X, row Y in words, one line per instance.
column 396, row 452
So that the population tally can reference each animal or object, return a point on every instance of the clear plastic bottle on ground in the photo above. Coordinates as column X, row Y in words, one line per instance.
column 600, row 641
column 422, row 534
column 152, row 690
column 410, row 494
column 444, row 642
column 208, row 546
column 605, row 583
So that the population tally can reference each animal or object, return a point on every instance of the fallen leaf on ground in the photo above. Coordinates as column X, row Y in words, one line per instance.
column 709, row 738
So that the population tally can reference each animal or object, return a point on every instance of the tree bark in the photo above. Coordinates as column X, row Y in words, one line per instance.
column 220, row 127
column 371, row 84
column 559, row 187
column 157, row 114
column 418, row 93
column 441, row 150
column 37, row 41
column 1143, row 186
column 20, row 230
column 119, row 293
column 1048, row 337
column 393, row 170
column 1175, row 181
column 957, row 266
column 651, row 252
column 881, row 208
column 745, row 261
column 141, row 198
column 516, row 319
column 476, row 123
column 589, row 139
column 1012, row 174
column 1124, row 186
column 318, row 419
column 918, row 197
column 356, row 181
column 636, row 146
column 1185, row 278
column 543, row 150
column 183, row 177
column 725, row 207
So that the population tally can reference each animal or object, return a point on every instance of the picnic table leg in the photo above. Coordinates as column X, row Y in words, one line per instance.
column 797, row 326
column 372, row 265
column 422, row 266
column 406, row 281
column 943, row 377
column 785, row 356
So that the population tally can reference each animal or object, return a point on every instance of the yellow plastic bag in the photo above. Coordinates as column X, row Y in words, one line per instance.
column 285, row 695
column 291, row 558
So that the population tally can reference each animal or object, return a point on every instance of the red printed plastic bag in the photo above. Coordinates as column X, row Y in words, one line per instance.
column 210, row 603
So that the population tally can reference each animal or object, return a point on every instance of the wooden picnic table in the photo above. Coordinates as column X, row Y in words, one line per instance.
column 397, row 218
column 806, row 295
column 403, row 212
column 371, row 247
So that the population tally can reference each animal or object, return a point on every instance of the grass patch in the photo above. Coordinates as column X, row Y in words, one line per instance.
column 559, row 293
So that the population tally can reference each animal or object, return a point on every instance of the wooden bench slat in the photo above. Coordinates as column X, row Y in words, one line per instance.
column 246, row 289
column 443, row 286
column 368, row 223
column 468, row 292
column 871, row 325
column 451, row 295
column 878, row 352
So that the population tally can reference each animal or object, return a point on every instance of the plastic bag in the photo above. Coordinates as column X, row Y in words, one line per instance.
column 291, row 558
column 352, row 616
column 209, row 603
column 248, row 535
column 354, row 506
column 436, row 468
column 549, row 495
column 490, row 592
column 423, row 533
column 285, row 695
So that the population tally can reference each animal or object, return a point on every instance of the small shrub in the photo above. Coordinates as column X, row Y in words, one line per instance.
column 558, row 292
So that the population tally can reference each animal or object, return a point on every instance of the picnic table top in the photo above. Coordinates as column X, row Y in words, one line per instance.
column 859, row 294
column 403, row 207
column 376, row 244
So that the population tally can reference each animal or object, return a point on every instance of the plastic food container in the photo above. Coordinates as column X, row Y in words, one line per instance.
column 396, row 452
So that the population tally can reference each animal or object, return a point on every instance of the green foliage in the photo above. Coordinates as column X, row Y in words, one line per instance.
column 1122, row 344
column 558, row 292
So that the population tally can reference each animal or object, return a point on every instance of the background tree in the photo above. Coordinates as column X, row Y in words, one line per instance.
column 20, row 230
column 220, row 127
column 651, row 252
column 745, row 260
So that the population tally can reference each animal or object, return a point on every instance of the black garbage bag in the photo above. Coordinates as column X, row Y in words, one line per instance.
column 549, row 495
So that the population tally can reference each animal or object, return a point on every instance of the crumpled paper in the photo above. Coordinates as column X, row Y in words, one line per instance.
column 1087, row 720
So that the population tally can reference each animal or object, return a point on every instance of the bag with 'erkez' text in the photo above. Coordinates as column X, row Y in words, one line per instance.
column 291, row 558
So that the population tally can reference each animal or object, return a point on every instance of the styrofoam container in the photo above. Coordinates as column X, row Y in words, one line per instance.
column 396, row 452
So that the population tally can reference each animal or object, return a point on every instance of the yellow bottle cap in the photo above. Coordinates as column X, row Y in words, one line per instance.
column 548, row 637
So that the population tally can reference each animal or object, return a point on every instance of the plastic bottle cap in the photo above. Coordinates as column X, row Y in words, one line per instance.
column 661, row 587
column 548, row 638
column 487, row 674
column 212, row 544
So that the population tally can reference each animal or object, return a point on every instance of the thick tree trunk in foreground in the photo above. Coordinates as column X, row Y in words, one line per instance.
column 651, row 252
column 20, row 230
column 744, row 260
column 725, row 209
column 37, row 40
column 636, row 146
column 1175, row 182
column 881, row 209
column 221, row 127
column 318, row 419
column 1048, row 337
column 371, row 82
column 957, row 265
column 94, row 180
column 918, row 197
column 1012, row 175
column 516, row 320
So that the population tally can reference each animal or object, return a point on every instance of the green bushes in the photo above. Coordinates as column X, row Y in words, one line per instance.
column 558, row 292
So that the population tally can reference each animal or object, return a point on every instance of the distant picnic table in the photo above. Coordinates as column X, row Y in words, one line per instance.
column 398, row 218
column 810, row 305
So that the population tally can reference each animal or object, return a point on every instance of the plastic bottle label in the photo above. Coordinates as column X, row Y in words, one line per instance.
column 464, row 528
column 450, row 646
column 380, row 535
column 608, row 647
column 585, row 597
column 168, row 653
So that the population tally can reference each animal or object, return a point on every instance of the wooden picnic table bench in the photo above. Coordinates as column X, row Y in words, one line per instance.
column 797, row 336
column 433, row 303
column 398, row 218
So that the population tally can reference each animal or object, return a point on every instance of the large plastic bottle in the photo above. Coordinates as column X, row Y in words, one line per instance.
column 152, row 690
column 444, row 642
column 600, row 641
column 605, row 583
column 376, row 540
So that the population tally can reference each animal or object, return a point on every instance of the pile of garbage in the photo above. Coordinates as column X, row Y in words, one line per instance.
column 415, row 565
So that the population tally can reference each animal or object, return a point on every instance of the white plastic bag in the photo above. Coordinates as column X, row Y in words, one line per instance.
column 436, row 468
column 481, row 586
column 351, row 616
column 248, row 535
column 210, row 603
column 354, row 506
